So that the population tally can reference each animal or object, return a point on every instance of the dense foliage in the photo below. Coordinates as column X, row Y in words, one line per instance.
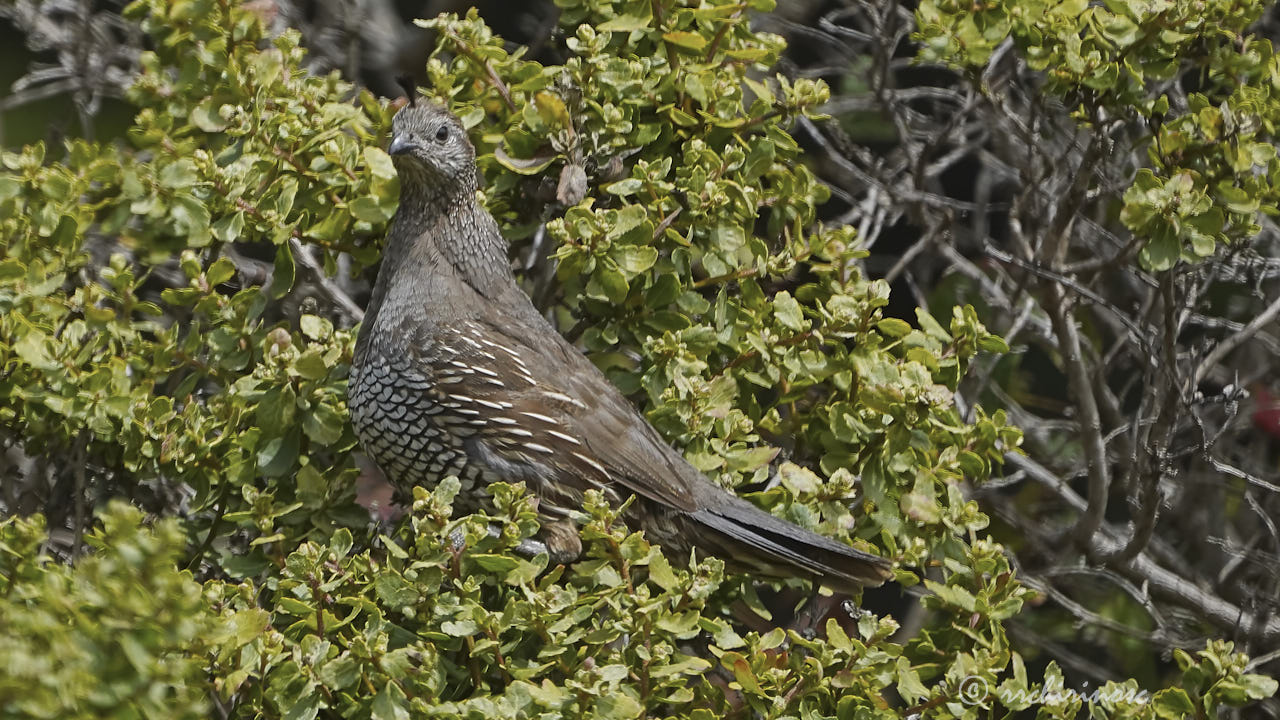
column 177, row 331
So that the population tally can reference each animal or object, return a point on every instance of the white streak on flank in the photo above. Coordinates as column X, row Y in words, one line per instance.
column 562, row 436
column 564, row 398
column 478, row 336
column 485, row 371
column 592, row 463
column 537, row 416
column 493, row 381
column 540, row 448
column 494, row 405
column 519, row 432
column 505, row 349
column 462, row 398
column 522, row 368
column 552, row 509
column 502, row 420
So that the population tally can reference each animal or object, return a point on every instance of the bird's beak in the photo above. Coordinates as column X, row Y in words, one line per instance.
column 399, row 145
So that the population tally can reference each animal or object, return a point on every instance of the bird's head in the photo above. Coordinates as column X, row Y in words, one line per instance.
column 430, row 146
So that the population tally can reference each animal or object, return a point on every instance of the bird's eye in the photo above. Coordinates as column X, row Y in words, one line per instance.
column 442, row 134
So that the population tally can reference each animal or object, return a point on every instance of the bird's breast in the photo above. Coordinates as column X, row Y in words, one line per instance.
column 414, row 437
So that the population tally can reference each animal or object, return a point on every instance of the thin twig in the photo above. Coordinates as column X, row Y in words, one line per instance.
column 330, row 289
column 1224, row 348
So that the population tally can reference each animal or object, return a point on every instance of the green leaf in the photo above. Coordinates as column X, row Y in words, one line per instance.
column 389, row 703
column 952, row 595
column 1162, row 252
column 277, row 407
column 339, row 673
column 459, row 628
column 623, row 188
column 283, row 275
column 378, row 162
column 220, row 271
column 495, row 563
column 787, row 311
column 314, row 327
column 687, row 40
column 341, row 542
column 618, row 706
column 246, row 626
column 191, row 217
column 9, row 187
column 228, row 227
column 33, row 348
column 633, row 259
column 310, row 365
column 206, row 116
column 279, row 454
column 306, row 708
column 611, row 282
column 799, row 480
column 1258, row 687
column 748, row 459
column 286, row 193
column 728, row 237
column 893, row 327
column 323, row 425
column 1173, row 704
column 660, row 573
column 931, row 327
column 627, row 23
column 742, row 672
column 179, row 174
column 331, row 227
column 312, row 488
column 909, row 685
column 523, row 166
column 11, row 270
column 369, row 210
column 759, row 160
column 394, row 591
column 552, row 110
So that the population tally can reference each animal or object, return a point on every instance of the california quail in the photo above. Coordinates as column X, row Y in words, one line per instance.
column 456, row 373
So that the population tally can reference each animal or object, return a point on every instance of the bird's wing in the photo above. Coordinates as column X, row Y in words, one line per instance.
column 540, row 406
column 535, row 409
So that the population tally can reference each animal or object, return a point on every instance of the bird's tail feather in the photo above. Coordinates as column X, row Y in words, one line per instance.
column 762, row 540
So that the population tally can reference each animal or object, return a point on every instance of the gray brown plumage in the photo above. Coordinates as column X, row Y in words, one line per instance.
column 456, row 372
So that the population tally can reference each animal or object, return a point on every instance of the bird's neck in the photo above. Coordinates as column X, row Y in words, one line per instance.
column 451, row 234
column 435, row 241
